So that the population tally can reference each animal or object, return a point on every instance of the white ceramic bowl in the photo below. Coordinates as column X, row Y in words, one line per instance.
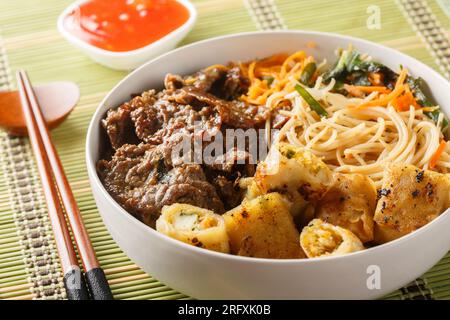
column 129, row 59
column 206, row 274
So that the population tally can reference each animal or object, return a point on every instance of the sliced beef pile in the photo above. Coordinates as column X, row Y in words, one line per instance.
column 225, row 175
column 118, row 123
column 233, row 113
column 224, row 83
column 156, row 122
column 142, row 133
column 142, row 181
column 152, row 117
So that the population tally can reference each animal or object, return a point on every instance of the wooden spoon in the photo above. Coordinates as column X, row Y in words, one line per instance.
column 57, row 99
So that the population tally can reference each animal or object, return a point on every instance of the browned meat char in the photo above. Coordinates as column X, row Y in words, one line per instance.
column 188, row 184
column 225, row 173
column 205, row 79
column 229, row 191
column 142, row 174
column 234, row 113
column 118, row 123
column 155, row 123
column 234, row 161
column 153, row 117
column 142, row 181
column 222, row 82
column 119, row 126
column 234, row 85
column 173, row 82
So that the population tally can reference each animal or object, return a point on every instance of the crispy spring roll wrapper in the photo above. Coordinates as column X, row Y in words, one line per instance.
column 296, row 173
column 350, row 203
column 289, row 168
column 409, row 199
column 321, row 239
column 251, row 188
column 193, row 225
column 264, row 228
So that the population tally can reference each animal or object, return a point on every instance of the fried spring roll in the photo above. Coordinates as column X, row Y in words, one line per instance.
column 321, row 239
column 193, row 225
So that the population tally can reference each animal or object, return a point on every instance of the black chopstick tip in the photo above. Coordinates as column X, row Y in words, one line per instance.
column 75, row 285
column 98, row 284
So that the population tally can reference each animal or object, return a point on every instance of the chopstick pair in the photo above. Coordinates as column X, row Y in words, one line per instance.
column 56, row 190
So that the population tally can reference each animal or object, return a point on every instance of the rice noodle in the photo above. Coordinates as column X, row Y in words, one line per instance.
column 359, row 140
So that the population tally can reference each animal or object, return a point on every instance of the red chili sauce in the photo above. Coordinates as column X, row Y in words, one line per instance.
column 124, row 25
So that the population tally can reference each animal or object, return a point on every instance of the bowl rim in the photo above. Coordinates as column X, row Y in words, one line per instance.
column 95, row 180
column 185, row 27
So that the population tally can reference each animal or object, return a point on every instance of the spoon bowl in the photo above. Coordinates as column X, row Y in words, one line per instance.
column 57, row 100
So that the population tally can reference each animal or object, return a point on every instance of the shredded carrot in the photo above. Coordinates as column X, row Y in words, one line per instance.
column 380, row 89
column 384, row 100
column 401, row 77
column 434, row 159
column 300, row 55
column 375, row 78
column 403, row 102
column 267, row 71
column 358, row 91
column 251, row 71
column 272, row 74
column 275, row 60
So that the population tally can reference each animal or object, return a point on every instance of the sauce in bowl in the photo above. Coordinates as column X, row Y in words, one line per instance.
column 125, row 25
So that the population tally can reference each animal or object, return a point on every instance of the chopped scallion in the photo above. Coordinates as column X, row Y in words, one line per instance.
column 313, row 103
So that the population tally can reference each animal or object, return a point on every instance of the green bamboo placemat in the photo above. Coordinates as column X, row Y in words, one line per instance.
column 29, row 267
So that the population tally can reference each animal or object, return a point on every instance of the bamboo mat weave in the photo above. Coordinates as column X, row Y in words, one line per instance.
column 29, row 267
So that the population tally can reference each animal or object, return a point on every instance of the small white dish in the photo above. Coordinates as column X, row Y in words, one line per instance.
column 206, row 274
column 129, row 60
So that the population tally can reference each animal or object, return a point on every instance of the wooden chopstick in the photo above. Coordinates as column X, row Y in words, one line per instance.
column 94, row 274
column 73, row 279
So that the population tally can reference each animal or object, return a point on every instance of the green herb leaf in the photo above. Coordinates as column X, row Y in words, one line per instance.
column 313, row 103
column 422, row 99
column 434, row 115
column 338, row 68
column 351, row 64
column 308, row 73
column 350, row 68
column 415, row 86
